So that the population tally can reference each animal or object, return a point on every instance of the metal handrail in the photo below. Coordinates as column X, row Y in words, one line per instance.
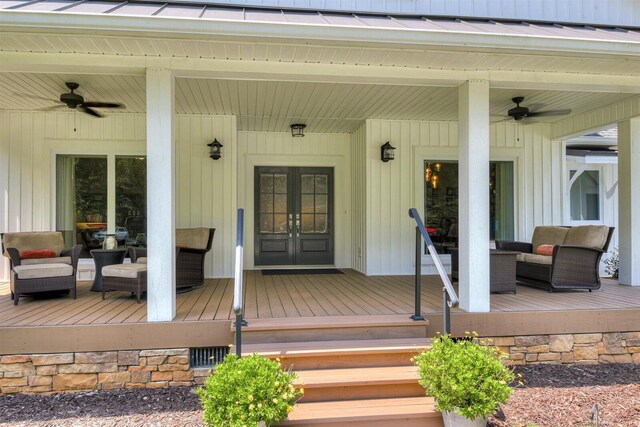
column 449, row 296
column 238, row 300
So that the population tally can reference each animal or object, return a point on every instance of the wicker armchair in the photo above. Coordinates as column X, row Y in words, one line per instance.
column 36, row 275
column 194, row 243
column 574, row 262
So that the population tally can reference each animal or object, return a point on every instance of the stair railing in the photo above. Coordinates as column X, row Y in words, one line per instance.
column 238, row 299
column 449, row 296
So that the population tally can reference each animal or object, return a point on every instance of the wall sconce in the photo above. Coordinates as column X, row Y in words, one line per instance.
column 387, row 152
column 215, row 150
column 297, row 130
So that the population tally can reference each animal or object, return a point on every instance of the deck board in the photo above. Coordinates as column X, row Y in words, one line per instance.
column 276, row 296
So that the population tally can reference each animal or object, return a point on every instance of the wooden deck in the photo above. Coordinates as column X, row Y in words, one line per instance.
column 206, row 312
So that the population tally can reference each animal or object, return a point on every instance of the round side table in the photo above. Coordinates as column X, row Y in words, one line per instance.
column 103, row 257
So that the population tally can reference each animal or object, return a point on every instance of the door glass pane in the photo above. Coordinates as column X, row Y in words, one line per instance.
column 307, row 225
column 585, row 196
column 266, row 183
column 279, row 183
column 280, row 205
column 322, row 184
column 441, row 202
column 321, row 203
column 131, row 200
column 280, row 223
column 321, row 223
column 307, row 203
column 81, row 201
column 266, row 223
column 266, row 203
column 307, row 183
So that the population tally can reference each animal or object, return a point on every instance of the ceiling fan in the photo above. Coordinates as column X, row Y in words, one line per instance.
column 518, row 113
column 73, row 100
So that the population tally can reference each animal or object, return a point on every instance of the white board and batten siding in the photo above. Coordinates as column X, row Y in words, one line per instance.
column 612, row 12
column 394, row 187
column 281, row 149
column 29, row 142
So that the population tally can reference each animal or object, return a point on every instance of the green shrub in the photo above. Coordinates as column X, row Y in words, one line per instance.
column 465, row 376
column 243, row 392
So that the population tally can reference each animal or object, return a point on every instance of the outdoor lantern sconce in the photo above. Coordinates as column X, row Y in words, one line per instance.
column 215, row 150
column 387, row 152
column 297, row 130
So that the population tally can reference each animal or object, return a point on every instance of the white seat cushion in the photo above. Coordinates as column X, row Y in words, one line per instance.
column 58, row 260
column 142, row 260
column 41, row 271
column 127, row 271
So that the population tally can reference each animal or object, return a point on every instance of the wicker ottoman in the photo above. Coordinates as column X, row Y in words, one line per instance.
column 502, row 270
column 125, row 277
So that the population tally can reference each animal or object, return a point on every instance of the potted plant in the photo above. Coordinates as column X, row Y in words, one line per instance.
column 467, row 379
column 251, row 391
column 612, row 262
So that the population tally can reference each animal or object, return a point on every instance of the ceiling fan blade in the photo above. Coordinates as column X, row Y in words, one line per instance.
column 103, row 105
column 52, row 107
column 89, row 111
column 549, row 113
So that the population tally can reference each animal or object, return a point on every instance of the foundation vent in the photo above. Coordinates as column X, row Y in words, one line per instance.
column 207, row 357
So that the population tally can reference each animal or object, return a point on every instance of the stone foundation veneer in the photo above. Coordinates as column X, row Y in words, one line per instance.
column 107, row 370
column 583, row 349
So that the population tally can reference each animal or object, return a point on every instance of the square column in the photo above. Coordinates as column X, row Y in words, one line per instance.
column 473, row 178
column 161, row 227
column 629, row 201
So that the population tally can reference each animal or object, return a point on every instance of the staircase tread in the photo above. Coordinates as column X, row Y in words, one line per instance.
column 361, row 410
column 327, row 348
column 327, row 322
column 319, row 378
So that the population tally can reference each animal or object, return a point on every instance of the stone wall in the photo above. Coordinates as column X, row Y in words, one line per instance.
column 616, row 347
column 63, row 372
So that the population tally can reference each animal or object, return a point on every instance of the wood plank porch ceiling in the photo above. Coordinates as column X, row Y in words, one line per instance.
column 351, row 294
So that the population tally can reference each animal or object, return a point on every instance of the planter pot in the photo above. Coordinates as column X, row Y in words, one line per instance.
column 262, row 424
column 453, row 419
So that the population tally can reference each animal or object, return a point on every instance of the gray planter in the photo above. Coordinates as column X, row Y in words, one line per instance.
column 453, row 419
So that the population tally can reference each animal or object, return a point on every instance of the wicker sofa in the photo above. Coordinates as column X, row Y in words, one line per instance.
column 194, row 244
column 574, row 262
column 56, row 272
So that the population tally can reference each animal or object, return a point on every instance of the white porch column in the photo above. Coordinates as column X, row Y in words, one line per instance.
column 473, row 177
column 629, row 201
column 161, row 247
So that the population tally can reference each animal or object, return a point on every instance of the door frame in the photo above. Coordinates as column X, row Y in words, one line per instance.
column 341, row 213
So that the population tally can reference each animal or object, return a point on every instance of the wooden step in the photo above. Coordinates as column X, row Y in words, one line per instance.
column 321, row 385
column 332, row 328
column 405, row 412
column 341, row 354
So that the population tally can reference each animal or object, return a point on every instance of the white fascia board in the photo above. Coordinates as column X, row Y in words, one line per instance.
column 188, row 28
column 593, row 160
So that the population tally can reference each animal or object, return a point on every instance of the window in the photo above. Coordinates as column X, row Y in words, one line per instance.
column 585, row 196
column 441, row 202
column 83, row 202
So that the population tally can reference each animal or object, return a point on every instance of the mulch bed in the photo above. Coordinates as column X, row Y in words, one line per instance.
column 553, row 395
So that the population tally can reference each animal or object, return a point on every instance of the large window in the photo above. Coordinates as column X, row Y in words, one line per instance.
column 83, row 202
column 441, row 202
column 585, row 196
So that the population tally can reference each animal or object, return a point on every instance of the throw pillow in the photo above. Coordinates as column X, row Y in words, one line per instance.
column 38, row 254
column 546, row 250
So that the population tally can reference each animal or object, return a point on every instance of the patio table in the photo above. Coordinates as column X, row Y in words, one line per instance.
column 502, row 275
column 103, row 257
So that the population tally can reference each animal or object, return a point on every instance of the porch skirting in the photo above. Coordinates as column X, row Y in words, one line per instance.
column 107, row 370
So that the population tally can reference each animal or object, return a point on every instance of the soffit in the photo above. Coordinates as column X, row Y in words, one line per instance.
column 313, row 53
column 273, row 106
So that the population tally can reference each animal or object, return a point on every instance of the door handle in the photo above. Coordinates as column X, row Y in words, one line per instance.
column 297, row 225
column 290, row 224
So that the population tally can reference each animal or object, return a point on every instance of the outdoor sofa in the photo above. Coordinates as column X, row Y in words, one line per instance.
column 39, row 263
column 561, row 258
